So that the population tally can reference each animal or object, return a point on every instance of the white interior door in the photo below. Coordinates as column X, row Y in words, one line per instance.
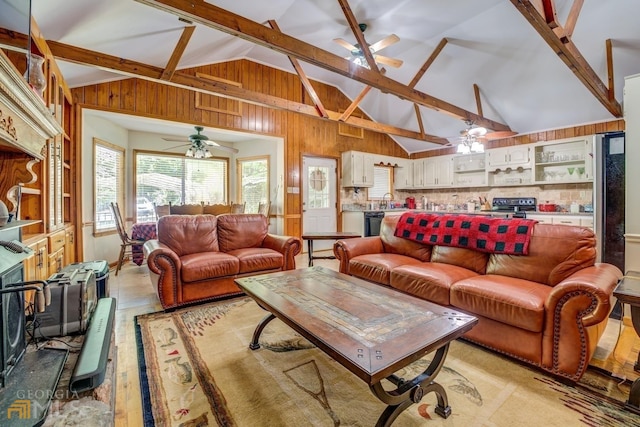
column 319, row 210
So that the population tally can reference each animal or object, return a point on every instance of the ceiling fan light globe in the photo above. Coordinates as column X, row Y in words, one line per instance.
column 189, row 153
column 207, row 154
column 477, row 147
column 463, row 149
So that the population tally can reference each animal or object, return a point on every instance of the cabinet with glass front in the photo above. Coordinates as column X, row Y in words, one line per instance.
column 564, row 161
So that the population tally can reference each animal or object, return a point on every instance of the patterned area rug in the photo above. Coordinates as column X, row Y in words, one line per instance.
column 196, row 369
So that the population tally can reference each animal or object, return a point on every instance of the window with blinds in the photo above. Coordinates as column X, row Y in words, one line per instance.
column 108, row 185
column 173, row 178
column 382, row 182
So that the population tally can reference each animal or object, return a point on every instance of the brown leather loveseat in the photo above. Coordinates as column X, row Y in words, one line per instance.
column 197, row 257
column 547, row 308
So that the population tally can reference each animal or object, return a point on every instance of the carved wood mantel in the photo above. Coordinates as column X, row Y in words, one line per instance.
column 25, row 121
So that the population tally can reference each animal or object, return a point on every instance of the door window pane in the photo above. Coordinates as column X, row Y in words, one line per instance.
column 318, row 191
column 108, row 184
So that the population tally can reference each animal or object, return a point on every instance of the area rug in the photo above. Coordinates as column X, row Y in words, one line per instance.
column 196, row 369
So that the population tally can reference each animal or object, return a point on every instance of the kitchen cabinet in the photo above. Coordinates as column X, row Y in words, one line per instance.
column 437, row 172
column 563, row 219
column 357, row 169
column 69, row 245
column 403, row 174
column 564, row 161
column 509, row 157
column 469, row 170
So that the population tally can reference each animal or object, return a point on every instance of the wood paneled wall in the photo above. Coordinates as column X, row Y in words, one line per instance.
column 303, row 135
column 550, row 135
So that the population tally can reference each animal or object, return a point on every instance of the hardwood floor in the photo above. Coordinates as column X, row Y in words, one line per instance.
column 617, row 350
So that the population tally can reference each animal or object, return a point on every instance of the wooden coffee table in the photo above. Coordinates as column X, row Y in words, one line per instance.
column 371, row 330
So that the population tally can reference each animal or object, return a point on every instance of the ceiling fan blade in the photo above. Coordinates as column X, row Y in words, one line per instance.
column 345, row 44
column 387, row 41
column 175, row 146
column 392, row 62
column 216, row 146
column 499, row 135
column 186, row 141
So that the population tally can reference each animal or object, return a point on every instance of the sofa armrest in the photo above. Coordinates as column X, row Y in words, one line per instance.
column 579, row 301
column 288, row 246
column 165, row 266
column 345, row 250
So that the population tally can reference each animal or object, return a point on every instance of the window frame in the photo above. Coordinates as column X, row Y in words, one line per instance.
column 390, row 182
column 176, row 155
column 120, row 191
column 239, row 183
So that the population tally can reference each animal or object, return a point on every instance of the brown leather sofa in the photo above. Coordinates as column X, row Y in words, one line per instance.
column 196, row 258
column 547, row 308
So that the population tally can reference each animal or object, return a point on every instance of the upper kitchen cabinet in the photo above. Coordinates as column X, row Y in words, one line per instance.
column 509, row 166
column 403, row 174
column 357, row 169
column 564, row 161
column 509, row 157
column 437, row 171
column 469, row 170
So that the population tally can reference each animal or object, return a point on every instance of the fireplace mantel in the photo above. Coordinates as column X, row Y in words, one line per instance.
column 25, row 121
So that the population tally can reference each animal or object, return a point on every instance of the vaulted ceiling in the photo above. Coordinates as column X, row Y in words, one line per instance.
column 509, row 65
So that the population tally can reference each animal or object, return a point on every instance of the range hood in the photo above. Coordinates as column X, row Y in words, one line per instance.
column 25, row 121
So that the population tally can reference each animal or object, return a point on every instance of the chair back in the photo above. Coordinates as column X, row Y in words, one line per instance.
column 263, row 209
column 161, row 210
column 237, row 207
column 217, row 209
column 119, row 222
column 194, row 209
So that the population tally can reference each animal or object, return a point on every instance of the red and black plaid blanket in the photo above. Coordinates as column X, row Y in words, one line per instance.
column 481, row 233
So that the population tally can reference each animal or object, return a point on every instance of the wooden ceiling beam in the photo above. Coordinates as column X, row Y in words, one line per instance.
column 428, row 63
column 609, row 50
column 183, row 80
column 214, row 17
column 168, row 71
column 357, row 32
column 303, row 78
column 416, row 107
column 569, row 54
column 476, row 92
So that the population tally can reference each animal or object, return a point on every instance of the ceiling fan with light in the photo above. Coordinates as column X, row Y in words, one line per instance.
column 358, row 57
column 471, row 139
column 200, row 144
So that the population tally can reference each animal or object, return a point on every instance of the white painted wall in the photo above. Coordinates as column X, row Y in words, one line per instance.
column 103, row 247
column 632, row 172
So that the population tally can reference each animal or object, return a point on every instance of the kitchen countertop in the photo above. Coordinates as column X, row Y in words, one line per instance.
column 494, row 213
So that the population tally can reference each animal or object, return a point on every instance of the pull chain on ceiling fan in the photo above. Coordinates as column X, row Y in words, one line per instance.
column 358, row 57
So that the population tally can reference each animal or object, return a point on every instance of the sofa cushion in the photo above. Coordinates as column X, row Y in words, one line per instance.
column 377, row 267
column 258, row 259
column 429, row 281
column 516, row 302
column 555, row 252
column 208, row 265
column 188, row 234
column 241, row 231
column 462, row 257
column 398, row 245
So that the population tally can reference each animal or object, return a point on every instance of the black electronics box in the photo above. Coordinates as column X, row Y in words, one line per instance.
column 73, row 299
column 101, row 270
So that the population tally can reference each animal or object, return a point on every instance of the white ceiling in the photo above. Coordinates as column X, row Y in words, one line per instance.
column 522, row 82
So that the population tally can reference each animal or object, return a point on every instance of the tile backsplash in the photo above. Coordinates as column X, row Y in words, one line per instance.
column 559, row 194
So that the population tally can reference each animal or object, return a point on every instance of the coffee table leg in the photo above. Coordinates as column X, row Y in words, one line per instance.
column 412, row 391
column 254, row 345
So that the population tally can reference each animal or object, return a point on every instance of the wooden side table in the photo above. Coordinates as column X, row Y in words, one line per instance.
column 628, row 292
column 325, row 235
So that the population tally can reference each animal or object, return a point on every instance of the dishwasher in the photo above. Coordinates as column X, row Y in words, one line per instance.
column 372, row 221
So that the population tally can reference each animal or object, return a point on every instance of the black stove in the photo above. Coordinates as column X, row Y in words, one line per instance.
column 514, row 204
